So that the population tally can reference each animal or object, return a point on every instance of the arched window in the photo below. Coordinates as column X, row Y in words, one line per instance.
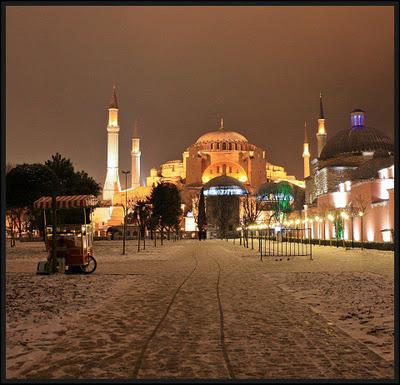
column 212, row 146
column 217, row 146
column 236, row 146
column 224, row 146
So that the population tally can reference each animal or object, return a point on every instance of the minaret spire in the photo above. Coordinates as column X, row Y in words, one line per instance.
column 135, row 129
column 321, row 107
column 321, row 132
column 306, row 153
column 221, row 124
column 305, row 132
column 114, row 101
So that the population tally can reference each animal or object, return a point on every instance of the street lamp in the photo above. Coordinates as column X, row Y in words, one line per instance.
column 126, row 209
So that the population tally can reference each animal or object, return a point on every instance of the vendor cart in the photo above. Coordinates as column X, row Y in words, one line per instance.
column 74, row 242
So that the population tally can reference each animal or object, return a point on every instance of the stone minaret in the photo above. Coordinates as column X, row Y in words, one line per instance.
column 112, row 178
column 321, row 134
column 135, row 156
column 306, row 153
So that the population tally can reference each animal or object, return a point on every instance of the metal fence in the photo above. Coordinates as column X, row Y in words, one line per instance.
column 286, row 242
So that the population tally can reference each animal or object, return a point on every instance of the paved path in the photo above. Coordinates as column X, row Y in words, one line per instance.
column 205, row 313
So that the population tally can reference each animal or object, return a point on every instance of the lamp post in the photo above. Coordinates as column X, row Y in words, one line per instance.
column 126, row 209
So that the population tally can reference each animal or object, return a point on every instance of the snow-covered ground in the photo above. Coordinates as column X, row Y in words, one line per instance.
column 351, row 289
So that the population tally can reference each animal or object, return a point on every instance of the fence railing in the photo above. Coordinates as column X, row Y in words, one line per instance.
column 286, row 242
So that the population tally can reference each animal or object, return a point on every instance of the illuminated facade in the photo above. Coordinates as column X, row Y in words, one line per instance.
column 353, row 176
column 216, row 153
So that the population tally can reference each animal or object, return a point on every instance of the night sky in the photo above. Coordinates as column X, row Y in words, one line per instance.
column 179, row 69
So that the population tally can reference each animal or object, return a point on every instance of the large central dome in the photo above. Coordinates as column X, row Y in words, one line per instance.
column 222, row 136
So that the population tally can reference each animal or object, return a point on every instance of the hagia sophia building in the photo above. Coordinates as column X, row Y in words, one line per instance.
column 227, row 156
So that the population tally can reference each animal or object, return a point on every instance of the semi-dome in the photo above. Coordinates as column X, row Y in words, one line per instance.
column 224, row 185
column 222, row 136
column 356, row 140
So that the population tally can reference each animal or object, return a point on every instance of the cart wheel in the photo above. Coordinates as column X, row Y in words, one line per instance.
column 90, row 267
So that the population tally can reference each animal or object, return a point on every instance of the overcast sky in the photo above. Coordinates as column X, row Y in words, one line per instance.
column 179, row 69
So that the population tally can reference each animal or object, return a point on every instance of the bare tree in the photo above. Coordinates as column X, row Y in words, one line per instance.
column 352, row 211
column 362, row 207
column 252, row 207
column 324, row 209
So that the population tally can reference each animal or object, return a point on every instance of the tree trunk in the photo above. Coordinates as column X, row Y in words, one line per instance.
column 362, row 233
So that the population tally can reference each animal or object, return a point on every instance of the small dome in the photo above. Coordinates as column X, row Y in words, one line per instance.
column 353, row 141
column 224, row 185
column 221, row 136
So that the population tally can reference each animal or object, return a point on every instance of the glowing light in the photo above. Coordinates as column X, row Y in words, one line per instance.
column 243, row 178
column 297, row 221
column 231, row 190
column 331, row 217
column 360, row 213
column 344, row 215
column 386, row 235
column 190, row 224
column 370, row 235
column 317, row 218
column 339, row 199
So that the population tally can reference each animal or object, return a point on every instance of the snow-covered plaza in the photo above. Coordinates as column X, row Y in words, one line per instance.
column 204, row 310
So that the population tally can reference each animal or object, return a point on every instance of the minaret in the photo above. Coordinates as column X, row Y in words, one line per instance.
column 112, row 178
column 321, row 134
column 135, row 156
column 306, row 153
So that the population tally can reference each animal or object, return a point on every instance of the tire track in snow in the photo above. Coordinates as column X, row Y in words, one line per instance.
column 157, row 327
column 221, row 319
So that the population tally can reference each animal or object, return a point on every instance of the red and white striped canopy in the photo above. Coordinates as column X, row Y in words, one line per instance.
column 67, row 201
